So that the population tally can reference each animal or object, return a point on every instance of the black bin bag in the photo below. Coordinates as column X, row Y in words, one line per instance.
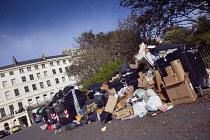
column 105, row 117
column 124, row 68
column 71, row 126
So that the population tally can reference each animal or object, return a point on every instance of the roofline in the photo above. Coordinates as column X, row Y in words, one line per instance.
column 31, row 61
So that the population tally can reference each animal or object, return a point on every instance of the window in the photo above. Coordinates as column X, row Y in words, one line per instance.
column 43, row 65
column 34, row 86
column 11, row 73
column 16, row 92
column 56, row 80
column 45, row 97
column 45, row 73
column 2, row 75
column 21, row 70
column 2, row 111
column 63, row 79
column 30, row 101
column 38, row 99
column 51, row 63
column 60, row 70
column 41, row 84
column 64, row 61
column 48, row 83
column 26, row 89
column 29, row 68
column 51, row 94
column 36, row 67
column 4, row 83
column 11, row 108
column 13, row 81
column 31, row 77
column 8, row 95
column 38, row 75
column 66, row 69
column 54, row 72
column 23, row 79
column 20, row 105
column 58, row 62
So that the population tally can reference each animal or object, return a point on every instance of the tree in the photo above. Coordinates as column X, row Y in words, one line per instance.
column 155, row 16
column 201, row 35
column 176, row 35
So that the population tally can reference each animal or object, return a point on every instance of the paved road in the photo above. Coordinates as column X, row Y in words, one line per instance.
column 184, row 122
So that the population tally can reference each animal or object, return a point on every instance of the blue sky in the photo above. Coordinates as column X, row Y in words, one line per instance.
column 30, row 27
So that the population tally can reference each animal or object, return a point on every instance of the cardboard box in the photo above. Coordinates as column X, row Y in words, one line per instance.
column 181, row 92
column 178, row 69
column 91, row 107
column 150, row 84
column 134, row 66
column 161, row 91
column 127, row 111
column 169, row 70
column 142, row 85
column 123, row 100
column 105, row 87
column 141, row 75
column 111, row 103
column 111, row 91
column 170, row 80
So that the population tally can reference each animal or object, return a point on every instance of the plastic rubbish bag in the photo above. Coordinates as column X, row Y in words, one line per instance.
column 141, row 94
column 93, row 116
column 124, row 68
column 71, row 126
column 139, row 108
column 150, row 92
column 83, row 121
column 153, row 103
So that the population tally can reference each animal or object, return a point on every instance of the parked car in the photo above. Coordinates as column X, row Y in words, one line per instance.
column 16, row 128
column 3, row 133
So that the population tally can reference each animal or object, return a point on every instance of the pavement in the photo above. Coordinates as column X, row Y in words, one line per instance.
column 190, row 121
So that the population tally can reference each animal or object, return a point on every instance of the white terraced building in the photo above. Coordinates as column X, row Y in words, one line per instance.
column 26, row 86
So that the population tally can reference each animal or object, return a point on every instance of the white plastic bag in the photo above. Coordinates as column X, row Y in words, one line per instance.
column 153, row 103
column 139, row 108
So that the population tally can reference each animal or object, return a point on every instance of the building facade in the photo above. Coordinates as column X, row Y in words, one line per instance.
column 26, row 86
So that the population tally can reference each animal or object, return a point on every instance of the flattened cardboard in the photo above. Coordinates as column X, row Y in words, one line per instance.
column 161, row 91
column 169, row 70
column 141, row 75
column 134, row 66
column 111, row 91
column 105, row 87
column 122, row 102
column 178, row 69
column 170, row 80
column 181, row 92
column 91, row 107
column 127, row 111
column 111, row 103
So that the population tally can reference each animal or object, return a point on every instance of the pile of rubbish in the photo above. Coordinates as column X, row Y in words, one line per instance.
column 160, row 78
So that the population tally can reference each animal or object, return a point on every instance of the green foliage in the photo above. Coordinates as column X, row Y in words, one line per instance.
column 201, row 35
column 103, row 74
column 176, row 35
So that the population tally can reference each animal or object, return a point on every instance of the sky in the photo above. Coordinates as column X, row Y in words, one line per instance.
column 30, row 27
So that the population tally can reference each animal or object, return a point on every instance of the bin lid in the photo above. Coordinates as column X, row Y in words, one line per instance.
column 166, row 47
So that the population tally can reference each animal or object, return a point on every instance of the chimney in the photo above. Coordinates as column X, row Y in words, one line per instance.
column 14, row 60
column 43, row 56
